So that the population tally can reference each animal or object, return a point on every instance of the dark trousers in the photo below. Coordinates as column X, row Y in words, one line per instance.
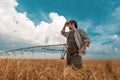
column 76, row 61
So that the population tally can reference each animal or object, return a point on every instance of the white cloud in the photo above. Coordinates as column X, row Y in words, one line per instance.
column 113, row 24
column 116, row 14
column 19, row 26
column 115, row 37
column 108, row 41
column 85, row 25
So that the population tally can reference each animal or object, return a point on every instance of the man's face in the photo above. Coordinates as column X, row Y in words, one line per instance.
column 70, row 26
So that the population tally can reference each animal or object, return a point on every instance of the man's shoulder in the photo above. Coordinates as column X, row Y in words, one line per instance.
column 80, row 30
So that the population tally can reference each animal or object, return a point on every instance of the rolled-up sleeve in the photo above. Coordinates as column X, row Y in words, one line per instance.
column 65, row 34
column 85, row 36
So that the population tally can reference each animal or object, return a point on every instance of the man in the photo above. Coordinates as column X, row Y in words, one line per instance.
column 77, row 41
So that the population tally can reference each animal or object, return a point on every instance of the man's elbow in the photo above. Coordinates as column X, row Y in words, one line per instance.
column 87, row 41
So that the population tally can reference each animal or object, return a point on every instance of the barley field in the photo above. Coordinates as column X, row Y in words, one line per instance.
column 56, row 69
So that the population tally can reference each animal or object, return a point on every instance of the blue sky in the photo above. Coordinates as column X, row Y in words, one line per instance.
column 35, row 21
column 97, row 11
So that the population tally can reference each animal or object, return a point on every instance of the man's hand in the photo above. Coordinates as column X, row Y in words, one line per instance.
column 82, row 49
column 78, row 52
column 66, row 24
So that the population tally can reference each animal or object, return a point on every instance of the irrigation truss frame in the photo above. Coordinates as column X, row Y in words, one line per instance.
column 43, row 48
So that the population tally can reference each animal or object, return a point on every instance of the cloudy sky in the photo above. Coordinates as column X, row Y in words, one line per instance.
column 26, row 23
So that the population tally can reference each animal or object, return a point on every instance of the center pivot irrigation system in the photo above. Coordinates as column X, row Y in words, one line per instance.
column 58, row 48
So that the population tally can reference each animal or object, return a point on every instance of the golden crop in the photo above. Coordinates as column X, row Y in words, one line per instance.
column 39, row 69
